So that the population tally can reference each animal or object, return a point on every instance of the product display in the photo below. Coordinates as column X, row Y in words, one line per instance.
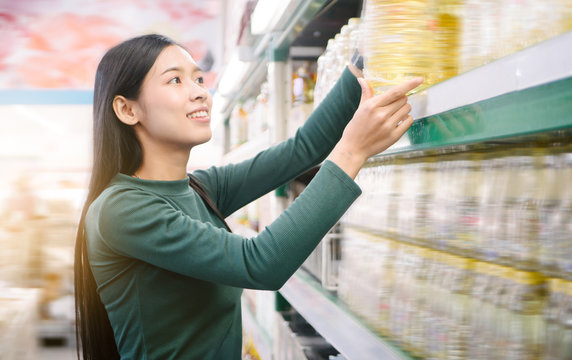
column 458, row 247
column 336, row 57
column 510, row 206
column 438, row 39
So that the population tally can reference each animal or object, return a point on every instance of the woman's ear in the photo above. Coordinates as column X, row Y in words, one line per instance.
column 123, row 108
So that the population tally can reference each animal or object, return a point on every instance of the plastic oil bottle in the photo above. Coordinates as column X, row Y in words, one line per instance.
column 394, row 196
column 468, row 203
column 482, row 322
column 400, row 42
column 418, row 339
column 444, row 197
column 502, row 298
column 550, row 190
column 566, row 324
column 425, row 202
column 460, row 308
column 564, row 218
column 448, row 37
column 438, row 324
column 526, row 329
column 553, row 314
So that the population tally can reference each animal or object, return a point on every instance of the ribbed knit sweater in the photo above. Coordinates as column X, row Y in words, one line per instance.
column 168, row 272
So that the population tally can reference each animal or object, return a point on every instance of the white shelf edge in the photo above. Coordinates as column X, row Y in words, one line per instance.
column 346, row 334
column 538, row 64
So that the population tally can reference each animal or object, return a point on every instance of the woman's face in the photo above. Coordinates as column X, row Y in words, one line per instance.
column 174, row 105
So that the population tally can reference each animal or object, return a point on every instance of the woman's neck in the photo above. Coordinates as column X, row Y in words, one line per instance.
column 163, row 165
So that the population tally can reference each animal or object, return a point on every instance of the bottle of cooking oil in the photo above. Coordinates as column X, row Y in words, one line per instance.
column 320, row 80
column 479, row 327
column 564, row 219
column 418, row 337
column 394, row 199
column 566, row 16
column 428, row 317
column 493, row 192
column 550, row 191
column 452, row 193
column 303, row 83
column 400, row 42
column 468, row 203
column 404, row 217
column 502, row 297
column 444, row 203
column 460, row 308
column 386, row 290
column 448, row 19
column 553, row 313
column 472, row 13
column 526, row 329
column 522, row 210
column 437, row 322
column 425, row 201
column 566, row 323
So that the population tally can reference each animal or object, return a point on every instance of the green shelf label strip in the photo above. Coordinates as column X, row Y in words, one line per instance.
column 541, row 109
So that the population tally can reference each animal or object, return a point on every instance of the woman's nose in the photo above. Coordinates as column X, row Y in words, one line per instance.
column 198, row 92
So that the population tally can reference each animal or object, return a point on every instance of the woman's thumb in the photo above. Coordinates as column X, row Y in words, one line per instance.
column 366, row 90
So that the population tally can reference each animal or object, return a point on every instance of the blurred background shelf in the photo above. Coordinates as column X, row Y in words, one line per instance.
column 256, row 335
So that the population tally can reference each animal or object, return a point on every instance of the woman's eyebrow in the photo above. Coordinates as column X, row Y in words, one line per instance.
column 180, row 69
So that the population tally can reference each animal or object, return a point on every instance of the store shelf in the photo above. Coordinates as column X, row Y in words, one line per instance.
column 341, row 329
column 267, row 46
column 524, row 93
column 261, row 338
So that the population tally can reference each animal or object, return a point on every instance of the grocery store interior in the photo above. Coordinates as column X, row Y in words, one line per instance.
column 460, row 245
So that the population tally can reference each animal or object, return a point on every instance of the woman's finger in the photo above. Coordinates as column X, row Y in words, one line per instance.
column 400, row 115
column 403, row 127
column 398, row 91
column 392, row 108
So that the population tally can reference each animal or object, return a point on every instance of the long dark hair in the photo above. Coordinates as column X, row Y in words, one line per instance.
column 115, row 149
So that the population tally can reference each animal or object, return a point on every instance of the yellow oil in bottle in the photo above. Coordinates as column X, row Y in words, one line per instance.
column 448, row 37
column 400, row 42
column 553, row 314
column 526, row 325
column 460, row 308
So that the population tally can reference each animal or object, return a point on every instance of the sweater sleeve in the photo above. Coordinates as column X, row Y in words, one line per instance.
column 235, row 185
column 176, row 242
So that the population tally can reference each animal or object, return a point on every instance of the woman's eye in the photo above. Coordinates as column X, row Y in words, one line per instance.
column 200, row 80
column 175, row 80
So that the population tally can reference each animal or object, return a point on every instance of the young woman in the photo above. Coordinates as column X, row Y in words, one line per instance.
column 158, row 274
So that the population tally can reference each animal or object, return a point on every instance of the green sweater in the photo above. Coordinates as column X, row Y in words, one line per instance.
column 168, row 272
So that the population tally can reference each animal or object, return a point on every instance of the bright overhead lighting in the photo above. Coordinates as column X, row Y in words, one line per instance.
column 234, row 74
column 268, row 14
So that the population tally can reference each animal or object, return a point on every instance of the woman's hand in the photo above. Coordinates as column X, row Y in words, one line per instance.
column 378, row 122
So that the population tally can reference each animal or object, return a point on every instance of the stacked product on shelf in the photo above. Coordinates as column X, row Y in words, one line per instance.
column 458, row 247
column 303, row 85
column 249, row 119
column 335, row 58
column 463, row 253
column 438, row 39
column 474, row 269
column 511, row 206
column 438, row 305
